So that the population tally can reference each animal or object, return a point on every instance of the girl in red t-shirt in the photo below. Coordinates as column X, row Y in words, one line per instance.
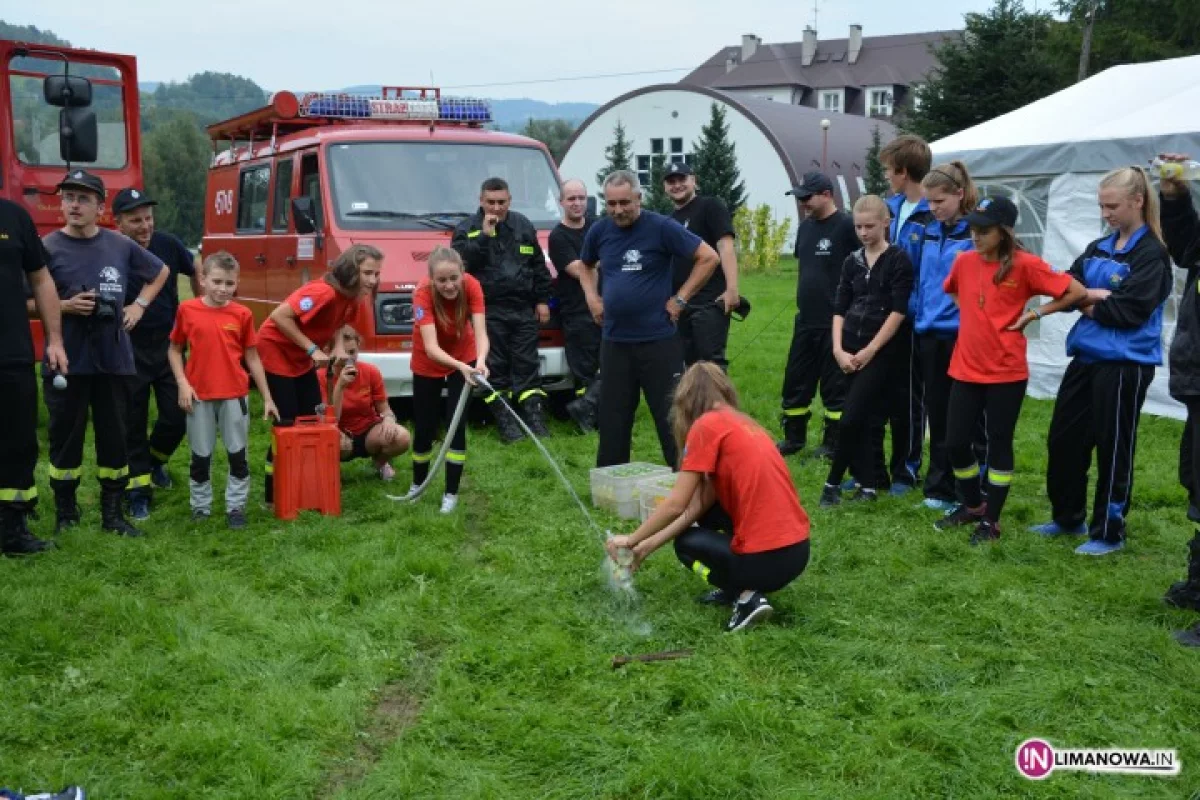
column 752, row 533
column 450, row 347
column 294, row 341
column 991, row 286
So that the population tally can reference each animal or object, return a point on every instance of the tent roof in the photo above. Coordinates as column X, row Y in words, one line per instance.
column 1123, row 115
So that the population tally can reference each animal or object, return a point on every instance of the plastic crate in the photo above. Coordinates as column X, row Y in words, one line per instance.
column 652, row 491
column 308, row 468
column 615, row 488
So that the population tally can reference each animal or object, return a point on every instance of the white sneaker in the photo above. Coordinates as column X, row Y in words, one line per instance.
column 449, row 503
column 385, row 471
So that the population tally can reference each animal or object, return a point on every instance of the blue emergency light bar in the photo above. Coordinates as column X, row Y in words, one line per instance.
column 441, row 109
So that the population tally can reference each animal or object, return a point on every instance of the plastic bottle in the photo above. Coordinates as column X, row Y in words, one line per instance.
column 1179, row 170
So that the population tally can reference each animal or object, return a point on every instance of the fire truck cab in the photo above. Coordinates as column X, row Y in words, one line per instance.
column 304, row 178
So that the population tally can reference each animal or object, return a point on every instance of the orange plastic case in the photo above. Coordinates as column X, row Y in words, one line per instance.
column 308, row 471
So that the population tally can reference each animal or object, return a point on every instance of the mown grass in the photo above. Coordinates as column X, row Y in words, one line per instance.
column 394, row 652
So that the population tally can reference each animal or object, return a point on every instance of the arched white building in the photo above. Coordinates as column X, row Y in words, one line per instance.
column 776, row 143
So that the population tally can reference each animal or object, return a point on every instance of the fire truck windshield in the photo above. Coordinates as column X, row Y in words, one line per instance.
column 35, row 122
column 401, row 185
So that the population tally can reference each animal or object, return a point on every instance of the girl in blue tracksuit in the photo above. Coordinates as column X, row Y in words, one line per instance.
column 951, row 196
column 1115, row 347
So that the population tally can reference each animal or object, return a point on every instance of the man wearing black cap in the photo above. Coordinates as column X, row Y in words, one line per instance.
column 91, row 266
column 823, row 241
column 133, row 210
column 704, row 324
column 22, row 259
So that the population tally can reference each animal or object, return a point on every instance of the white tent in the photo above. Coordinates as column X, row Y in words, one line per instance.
column 1049, row 156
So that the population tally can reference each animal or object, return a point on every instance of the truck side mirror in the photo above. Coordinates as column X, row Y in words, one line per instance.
column 77, row 137
column 302, row 213
column 67, row 91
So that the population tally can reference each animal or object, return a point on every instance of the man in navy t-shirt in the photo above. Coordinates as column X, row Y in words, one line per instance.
column 640, row 350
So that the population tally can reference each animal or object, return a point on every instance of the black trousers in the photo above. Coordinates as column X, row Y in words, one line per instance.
column 906, row 411
column 430, row 409
column 935, row 361
column 513, row 358
column 19, row 444
column 998, row 405
column 811, row 364
column 1097, row 408
column 294, row 397
column 627, row 371
column 708, row 553
column 704, row 329
column 582, row 345
column 153, row 375
column 866, row 400
column 104, row 396
column 1189, row 452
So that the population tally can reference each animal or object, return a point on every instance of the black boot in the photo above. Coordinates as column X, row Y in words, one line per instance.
column 795, row 434
column 1186, row 593
column 506, row 425
column 829, row 439
column 66, row 510
column 534, row 412
column 112, row 515
column 15, row 537
column 583, row 409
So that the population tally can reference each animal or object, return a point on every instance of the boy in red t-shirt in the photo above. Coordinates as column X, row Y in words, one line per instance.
column 991, row 286
column 213, row 387
column 733, row 512
column 360, row 403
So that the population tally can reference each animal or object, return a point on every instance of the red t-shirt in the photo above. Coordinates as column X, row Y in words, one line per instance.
column 460, row 346
column 321, row 311
column 751, row 479
column 217, row 339
column 985, row 351
column 359, row 398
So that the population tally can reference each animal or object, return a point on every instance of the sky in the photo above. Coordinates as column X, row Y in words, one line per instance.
column 550, row 50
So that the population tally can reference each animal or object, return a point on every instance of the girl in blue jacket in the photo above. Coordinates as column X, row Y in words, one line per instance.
column 1115, row 347
column 951, row 195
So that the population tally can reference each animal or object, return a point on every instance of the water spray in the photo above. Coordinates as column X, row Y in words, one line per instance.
column 415, row 492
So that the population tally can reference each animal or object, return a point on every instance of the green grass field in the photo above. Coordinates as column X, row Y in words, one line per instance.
column 396, row 653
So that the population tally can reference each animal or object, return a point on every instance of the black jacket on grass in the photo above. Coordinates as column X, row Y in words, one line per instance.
column 867, row 296
column 1181, row 229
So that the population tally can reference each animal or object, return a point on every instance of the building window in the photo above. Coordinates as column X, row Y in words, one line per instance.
column 831, row 100
column 677, row 146
column 656, row 147
column 879, row 101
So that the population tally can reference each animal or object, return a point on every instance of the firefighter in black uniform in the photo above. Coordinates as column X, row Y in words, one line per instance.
column 22, row 258
column 91, row 266
column 133, row 210
column 500, row 248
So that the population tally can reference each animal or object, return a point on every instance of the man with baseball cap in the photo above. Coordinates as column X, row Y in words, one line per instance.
column 133, row 211
column 91, row 266
column 704, row 324
column 823, row 241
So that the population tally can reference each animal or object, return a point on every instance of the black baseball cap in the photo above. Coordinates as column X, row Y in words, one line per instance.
column 82, row 179
column 129, row 199
column 813, row 183
column 993, row 211
column 678, row 168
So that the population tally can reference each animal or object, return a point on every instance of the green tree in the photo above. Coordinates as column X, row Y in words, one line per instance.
column 554, row 133
column 876, row 180
column 30, row 33
column 175, row 158
column 618, row 155
column 1123, row 32
column 714, row 160
column 1002, row 62
column 654, row 196
column 210, row 96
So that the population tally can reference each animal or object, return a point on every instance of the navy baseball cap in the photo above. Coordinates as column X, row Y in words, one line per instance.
column 993, row 211
column 82, row 179
column 678, row 168
column 129, row 199
column 813, row 183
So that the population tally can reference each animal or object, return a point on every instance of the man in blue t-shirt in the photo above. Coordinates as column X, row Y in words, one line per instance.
column 640, row 351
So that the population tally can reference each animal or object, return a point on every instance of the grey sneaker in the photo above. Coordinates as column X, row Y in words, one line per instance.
column 236, row 518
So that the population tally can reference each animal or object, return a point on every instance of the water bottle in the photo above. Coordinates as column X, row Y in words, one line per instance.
column 622, row 567
column 1177, row 170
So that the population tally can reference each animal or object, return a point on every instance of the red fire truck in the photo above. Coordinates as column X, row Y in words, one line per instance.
column 61, row 106
column 301, row 179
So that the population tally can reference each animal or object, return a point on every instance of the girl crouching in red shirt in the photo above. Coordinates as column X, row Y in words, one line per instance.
column 991, row 286
column 752, row 534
